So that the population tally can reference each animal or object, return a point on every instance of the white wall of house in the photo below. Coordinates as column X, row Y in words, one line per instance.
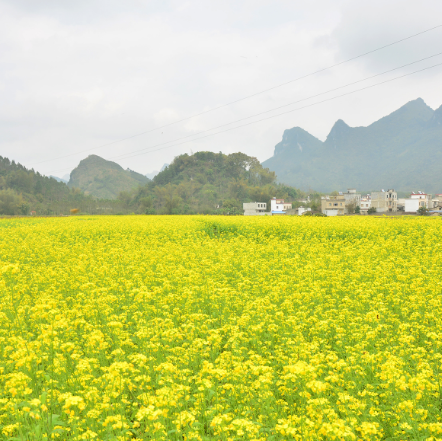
column 364, row 205
column 302, row 210
column 279, row 205
column 426, row 199
column 331, row 212
column 411, row 205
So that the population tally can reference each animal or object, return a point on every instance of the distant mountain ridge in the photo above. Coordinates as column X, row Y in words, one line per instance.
column 58, row 179
column 402, row 150
column 151, row 175
column 104, row 179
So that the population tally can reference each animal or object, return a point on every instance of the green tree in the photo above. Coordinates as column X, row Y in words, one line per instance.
column 423, row 211
column 168, row 199
column 351, row 208
column 371, row 210
column 10, row 202
column 358, row 209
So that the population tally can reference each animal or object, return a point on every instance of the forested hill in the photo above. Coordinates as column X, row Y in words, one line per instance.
column 23, row 191
column 402, row 150
column 104, row 179
column 207, row 182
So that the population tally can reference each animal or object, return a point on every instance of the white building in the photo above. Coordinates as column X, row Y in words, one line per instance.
column 365, row 204
column 330, row 212
column 417, row 200
column 254, row 208
column 302, row 210
column 278, row 206
column 411, row 205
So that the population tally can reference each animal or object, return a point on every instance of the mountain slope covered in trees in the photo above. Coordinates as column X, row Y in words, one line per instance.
column 104, row 179
column 23, row 191
column 402, row 150
column 207, row 182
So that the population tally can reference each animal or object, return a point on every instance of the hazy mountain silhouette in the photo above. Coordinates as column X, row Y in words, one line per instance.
column 402, row 150
column 151, row 175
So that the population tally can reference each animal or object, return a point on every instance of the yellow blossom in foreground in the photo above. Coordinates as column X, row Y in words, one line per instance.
column 218, row 328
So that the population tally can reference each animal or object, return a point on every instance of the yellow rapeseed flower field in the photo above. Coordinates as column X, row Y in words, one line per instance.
column 216, row 328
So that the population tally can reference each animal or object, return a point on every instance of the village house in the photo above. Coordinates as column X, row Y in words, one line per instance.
column 418, row 200
column 365, row 204
column 339, row 204
column 351, row 197
column 384, row 201
column 254, row 208
column 333, row 205
column 278, row 206
column 301, row 210
column 437, row 201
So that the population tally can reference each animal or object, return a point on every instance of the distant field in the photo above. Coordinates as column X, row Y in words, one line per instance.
column 218, row 328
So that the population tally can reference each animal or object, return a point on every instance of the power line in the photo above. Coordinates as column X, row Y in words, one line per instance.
column 282, row 113
column 277, row 108
column 244, row 98
column 299, row 108
column 293, row 110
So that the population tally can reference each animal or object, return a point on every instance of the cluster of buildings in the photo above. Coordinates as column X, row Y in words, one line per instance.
column 353, row 202
column 379, row 202
column 277, row 207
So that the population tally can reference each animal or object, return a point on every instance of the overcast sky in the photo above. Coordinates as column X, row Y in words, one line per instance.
column 77, row 75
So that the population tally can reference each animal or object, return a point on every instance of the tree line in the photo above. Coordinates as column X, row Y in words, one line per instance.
column 207, row 183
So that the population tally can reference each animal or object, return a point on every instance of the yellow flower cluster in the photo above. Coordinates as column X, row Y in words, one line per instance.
column 217, row 328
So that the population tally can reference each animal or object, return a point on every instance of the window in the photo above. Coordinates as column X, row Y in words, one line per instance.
column 329, row 204
column 335, row 205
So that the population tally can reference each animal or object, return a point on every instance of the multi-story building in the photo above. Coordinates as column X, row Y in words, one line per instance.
column 384, row 201
column 339, row 204
column 278, row 206
column 365, row 204
column 437, row 201
column 333, row 205
column 254, row 208
column 417, row 200
column 351, row 197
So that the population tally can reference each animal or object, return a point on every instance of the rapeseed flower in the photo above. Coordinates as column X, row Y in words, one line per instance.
column 145, row 327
